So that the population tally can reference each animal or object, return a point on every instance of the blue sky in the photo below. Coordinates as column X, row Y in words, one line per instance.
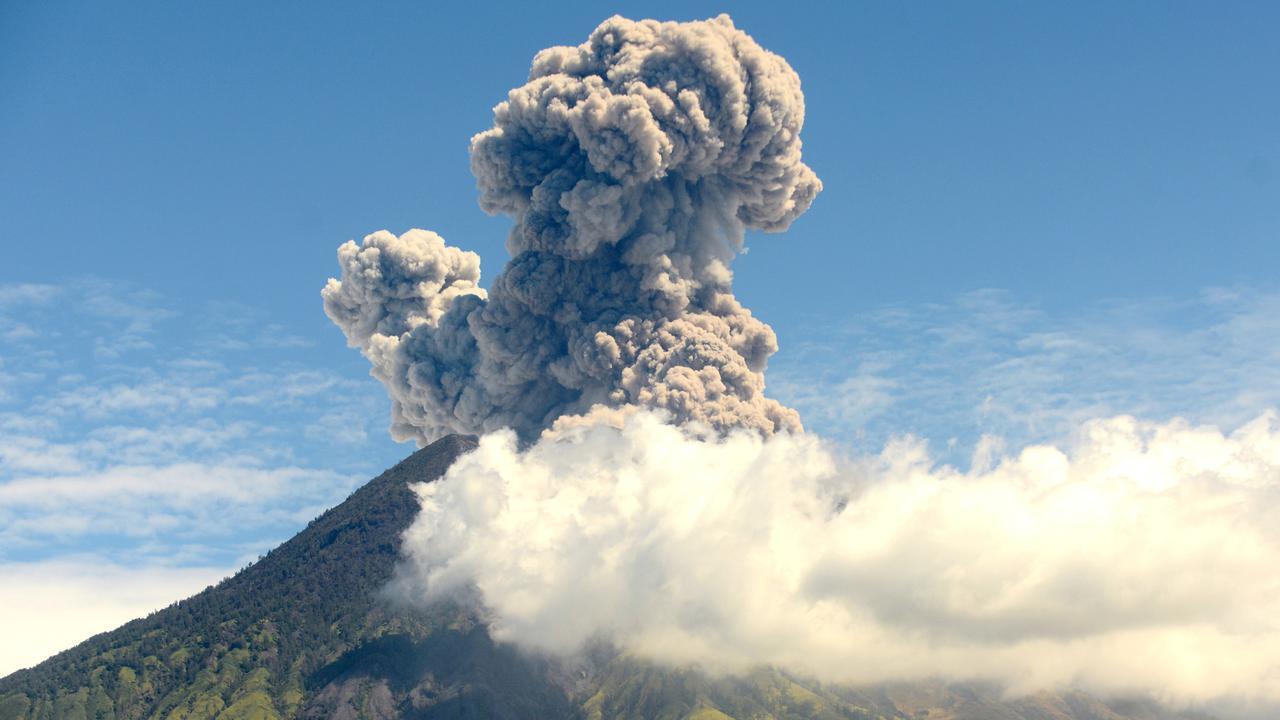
column 1033, row 215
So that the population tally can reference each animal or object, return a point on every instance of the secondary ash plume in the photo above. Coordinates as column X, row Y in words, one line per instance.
column 631, row 165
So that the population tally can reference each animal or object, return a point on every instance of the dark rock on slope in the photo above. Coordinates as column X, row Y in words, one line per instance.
column 305, row 633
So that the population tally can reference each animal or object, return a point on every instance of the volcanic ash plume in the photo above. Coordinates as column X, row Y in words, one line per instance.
column 1139, row 559
column 632, row 165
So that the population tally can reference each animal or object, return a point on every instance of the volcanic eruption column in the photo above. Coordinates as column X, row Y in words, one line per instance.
column 1142, row 558
column 631, row 164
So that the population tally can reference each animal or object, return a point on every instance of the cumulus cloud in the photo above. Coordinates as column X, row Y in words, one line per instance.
column 631, row 165
column 1141, row 557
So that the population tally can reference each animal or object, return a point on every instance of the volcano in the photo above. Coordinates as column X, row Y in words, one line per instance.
column 308, row 632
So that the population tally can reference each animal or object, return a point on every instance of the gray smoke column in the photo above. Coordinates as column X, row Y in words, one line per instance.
column 631, row 165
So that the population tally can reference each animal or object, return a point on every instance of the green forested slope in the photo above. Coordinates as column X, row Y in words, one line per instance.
column 305, row 633
column 247, row 647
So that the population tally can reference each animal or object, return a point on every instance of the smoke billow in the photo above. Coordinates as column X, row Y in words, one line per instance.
column 1140, row 559
column 635, row 484
column 631, row 165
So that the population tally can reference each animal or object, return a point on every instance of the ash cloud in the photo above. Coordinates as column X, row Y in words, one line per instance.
column 631, row 165
column 635, row 485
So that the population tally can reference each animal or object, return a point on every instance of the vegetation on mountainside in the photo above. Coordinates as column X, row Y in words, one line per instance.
column 632, row 689
column 245, row 648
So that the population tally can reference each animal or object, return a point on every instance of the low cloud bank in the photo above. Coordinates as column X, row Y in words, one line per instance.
column 1139, row 558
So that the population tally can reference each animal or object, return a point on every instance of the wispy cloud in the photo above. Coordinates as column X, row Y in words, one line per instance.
column 15, row 299
column 133, row 429
column 990, row 363
column 46, row 515
column 18, row 294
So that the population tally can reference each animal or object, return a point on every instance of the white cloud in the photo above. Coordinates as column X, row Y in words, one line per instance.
column 853, row 401
column 151, row 395
column 989, row 363
column 290, row 386
column 20, row 294
column 181, row 500
column 131, row 310
column 128, row 440
column 1140, row 558
column 33, row 454
column 47, row 607
column 142, row 453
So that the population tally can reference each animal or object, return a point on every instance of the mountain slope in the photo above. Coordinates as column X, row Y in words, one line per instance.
column 257, row 644
column 305, row 633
